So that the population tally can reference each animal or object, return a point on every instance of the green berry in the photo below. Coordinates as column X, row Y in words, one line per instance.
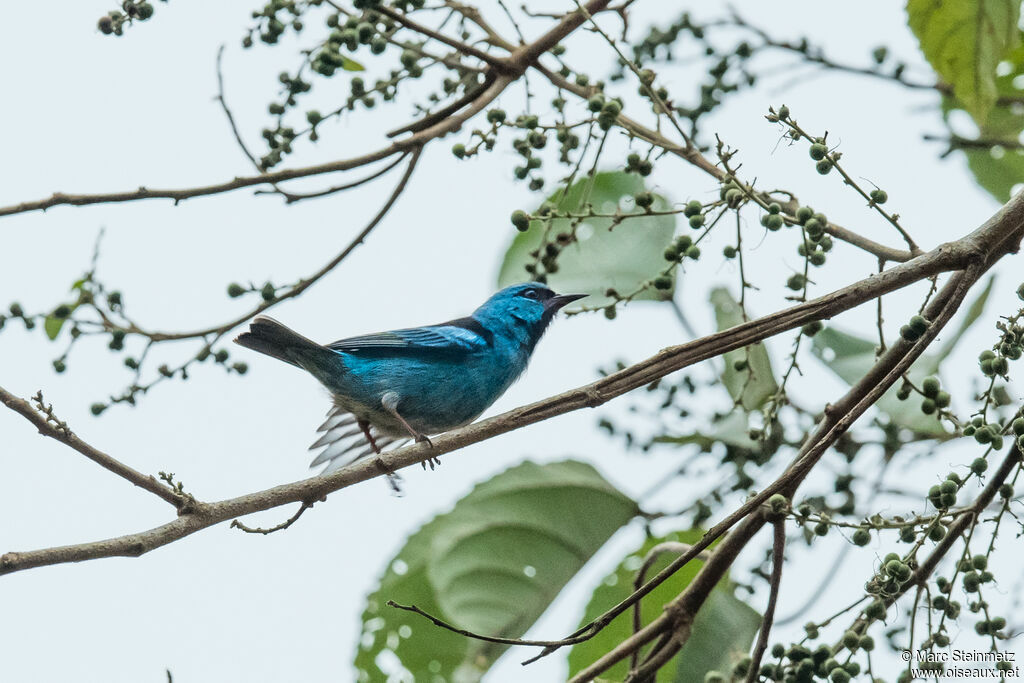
column 693, row 208
column 839, row 675
column 879, row 196
column 823, row 167
column 663, row 282
column 521, row 220
column 729, row 251
column 693, row 252
column 773, row 222
column 97, row 408
column 611, row 108
column 697, row 221
column 875, row 610
column 979, row 465
column 644, row 199
column 804, row 214
column 818, row 151
column 861, row 537
column 796, row 281
column 930, row 385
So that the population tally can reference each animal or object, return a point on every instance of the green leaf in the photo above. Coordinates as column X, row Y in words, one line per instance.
column 999, row 168
column 622, row 258
column 351, row 64
column 492, row 565
column 732, row 430
column 52, row 326
column 722, row 631
column 998, row 171
column 756, row 384
column 964, row 41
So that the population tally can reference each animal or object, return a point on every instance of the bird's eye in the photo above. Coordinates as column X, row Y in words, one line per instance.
column 531, row 294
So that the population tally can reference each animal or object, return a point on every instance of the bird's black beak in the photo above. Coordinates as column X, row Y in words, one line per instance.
column 559, row 300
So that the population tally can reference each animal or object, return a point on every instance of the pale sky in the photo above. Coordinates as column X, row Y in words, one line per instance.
column 87, row 113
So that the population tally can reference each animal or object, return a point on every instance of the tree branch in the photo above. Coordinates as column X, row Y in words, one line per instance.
column 778, row 552
column 998, row 235
column 838, row 418
column 49, row 426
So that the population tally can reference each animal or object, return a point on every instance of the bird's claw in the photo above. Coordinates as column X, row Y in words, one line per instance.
column 432, row 462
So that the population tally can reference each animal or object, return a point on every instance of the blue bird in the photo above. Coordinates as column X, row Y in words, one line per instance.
column 392, row 386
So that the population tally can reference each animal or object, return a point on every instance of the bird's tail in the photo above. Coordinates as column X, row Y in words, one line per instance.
column 268, row 336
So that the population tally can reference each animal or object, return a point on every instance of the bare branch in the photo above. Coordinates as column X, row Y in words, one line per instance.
column 235, row 524
column 778, row 552
column 49, row 426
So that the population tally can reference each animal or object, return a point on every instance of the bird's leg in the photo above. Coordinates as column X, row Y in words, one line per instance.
column 390, row 402
column 393, row 478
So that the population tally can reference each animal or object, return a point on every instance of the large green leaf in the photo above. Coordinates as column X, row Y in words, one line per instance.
column 722, row 631
column 964, row 41
column 492, row 565
column 754, row 385
column 998, row 170
column 999, row 167
column 623, row 257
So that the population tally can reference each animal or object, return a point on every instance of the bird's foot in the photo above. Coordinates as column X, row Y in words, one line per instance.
column 431, row 462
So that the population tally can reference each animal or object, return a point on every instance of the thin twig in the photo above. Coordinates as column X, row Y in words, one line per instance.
column 641, row 576
column 778, row 548
column 470, row 634
column 235, row 524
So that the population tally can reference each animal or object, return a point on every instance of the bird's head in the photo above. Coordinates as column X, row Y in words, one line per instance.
column 523, row 311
